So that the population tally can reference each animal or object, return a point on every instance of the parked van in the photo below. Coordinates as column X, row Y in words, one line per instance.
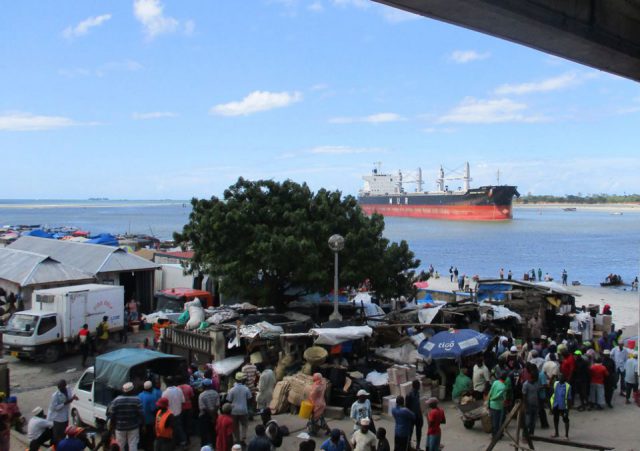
column 101, row 383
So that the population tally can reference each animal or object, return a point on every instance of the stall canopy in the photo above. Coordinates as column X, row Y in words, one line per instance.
column 112, row 369
column 335, row 336
column 454, row 344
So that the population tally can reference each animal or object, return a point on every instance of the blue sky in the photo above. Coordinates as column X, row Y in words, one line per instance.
column 166, row 99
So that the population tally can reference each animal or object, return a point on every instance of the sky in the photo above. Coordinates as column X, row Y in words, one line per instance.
column 159, row 99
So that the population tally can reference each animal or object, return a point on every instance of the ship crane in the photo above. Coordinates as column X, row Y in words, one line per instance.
column 466, row 178
column 417, row 180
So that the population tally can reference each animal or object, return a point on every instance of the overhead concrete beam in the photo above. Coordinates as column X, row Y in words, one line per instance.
column 604, row 34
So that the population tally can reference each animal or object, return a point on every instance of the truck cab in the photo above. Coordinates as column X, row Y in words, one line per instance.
column 33, row 334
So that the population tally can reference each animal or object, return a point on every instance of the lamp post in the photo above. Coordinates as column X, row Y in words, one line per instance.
column 336, row 244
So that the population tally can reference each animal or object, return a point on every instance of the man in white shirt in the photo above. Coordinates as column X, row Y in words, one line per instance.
column 551, row 368
column 176, row 399
column 363, row 439
column 59, row 410
column 619, row 356
column 39, row 429
column 480, row 378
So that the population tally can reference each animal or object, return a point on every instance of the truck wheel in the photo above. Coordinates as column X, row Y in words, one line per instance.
column 51, row 354
column 75, row 419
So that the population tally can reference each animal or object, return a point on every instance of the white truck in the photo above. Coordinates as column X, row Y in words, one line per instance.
column 51, row 326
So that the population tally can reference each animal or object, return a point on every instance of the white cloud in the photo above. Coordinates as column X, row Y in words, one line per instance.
column 378, row 118
column 257, row 101
column 316, row 7
column 357, row 3
column 479, row 111
column 27, row 122
column 319, row 87
column 439, row 130
column 550, row 84
column 150, row 13
column 83, row 27
column 394, row 15
column 153, row 115
column 466, row 56
column 343, row 150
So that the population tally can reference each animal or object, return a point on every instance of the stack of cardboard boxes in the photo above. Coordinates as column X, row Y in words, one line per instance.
column 401, row 379
column 602, row 325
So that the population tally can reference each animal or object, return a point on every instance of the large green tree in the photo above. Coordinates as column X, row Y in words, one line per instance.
column 267, row 238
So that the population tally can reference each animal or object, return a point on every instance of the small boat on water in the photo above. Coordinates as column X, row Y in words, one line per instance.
column 570, row 209
column 612, row 280
column 617, row 213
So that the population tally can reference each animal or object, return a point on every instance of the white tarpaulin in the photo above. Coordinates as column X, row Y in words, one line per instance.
column 335, row 336
column 426, row 315
column 228, row 365
column 377, row 379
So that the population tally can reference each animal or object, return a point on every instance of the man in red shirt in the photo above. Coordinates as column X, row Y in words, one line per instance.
column 435, row 418
column 568, row 365
column 83, row 339
column 187, row 409
column 598, row 373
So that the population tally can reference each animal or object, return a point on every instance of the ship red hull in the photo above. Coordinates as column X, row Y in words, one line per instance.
column 449, row 212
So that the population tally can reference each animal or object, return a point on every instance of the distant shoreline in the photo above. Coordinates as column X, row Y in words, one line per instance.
column 593, row 207
column 43, row 204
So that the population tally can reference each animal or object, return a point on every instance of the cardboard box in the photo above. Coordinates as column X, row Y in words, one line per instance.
column 388, row 403
column 411, row 373
column 397, row 375
column 606, row 323
column 406, row 388
column 394, row 390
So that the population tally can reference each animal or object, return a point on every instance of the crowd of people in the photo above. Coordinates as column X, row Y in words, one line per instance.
column 550, row 374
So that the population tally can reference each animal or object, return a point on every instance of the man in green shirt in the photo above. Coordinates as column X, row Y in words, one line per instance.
column 462, row 384
column 497, row 396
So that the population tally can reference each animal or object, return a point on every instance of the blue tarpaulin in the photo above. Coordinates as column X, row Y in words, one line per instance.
column 39, row 233
column 112, row 369
column 104, row 238
column 454, row 344
column 493, row 291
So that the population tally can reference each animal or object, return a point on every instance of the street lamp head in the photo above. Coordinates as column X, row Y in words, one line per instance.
column 336, row 242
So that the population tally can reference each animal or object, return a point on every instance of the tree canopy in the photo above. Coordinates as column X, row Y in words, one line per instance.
column 267, row 239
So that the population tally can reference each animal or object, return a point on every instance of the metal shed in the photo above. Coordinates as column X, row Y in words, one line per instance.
column 107, row 264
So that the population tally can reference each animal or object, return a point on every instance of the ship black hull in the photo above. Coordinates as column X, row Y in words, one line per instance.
column 487, row 203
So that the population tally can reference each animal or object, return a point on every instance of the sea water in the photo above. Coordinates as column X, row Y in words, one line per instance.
column 589, row 244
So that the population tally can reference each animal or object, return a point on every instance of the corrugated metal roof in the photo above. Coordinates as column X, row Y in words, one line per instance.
column 89, row 258
column 28, row 268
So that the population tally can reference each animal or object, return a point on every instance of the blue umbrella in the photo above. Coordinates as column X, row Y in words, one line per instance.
column 453, row 344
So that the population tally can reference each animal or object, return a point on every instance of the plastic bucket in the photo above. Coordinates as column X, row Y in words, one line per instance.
column 306, row 409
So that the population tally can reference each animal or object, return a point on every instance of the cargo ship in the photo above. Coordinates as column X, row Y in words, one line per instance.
column 385, row 194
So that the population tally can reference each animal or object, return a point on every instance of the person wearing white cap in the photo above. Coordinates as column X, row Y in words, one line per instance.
column 39, row 429
column 361, row 408
column 125, row 412
column 148, row 398
column 631, row 375
column 363, row 439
